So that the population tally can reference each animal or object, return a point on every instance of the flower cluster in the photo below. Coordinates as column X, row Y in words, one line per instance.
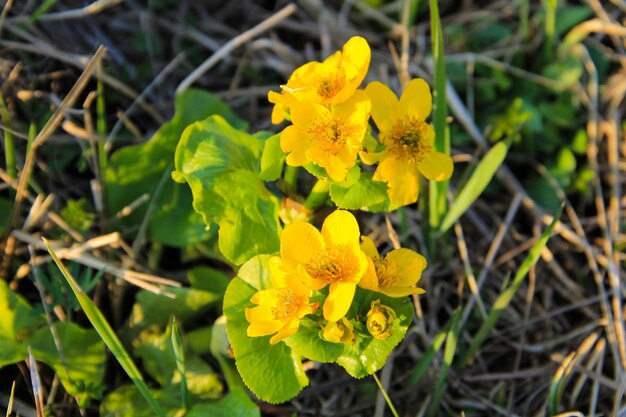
column 330, row 122
column 329, row 266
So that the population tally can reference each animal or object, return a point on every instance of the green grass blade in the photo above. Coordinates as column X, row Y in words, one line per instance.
column 43, row 8
column 452, row 338
column 179, row 356
column 427, row 358
column 485, row 170
column 438, row 190
column 506, row 296
column 9, row 140
column 99, row 322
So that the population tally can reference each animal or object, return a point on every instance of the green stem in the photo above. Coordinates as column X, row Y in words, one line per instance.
column 9, row 140
column 291, row 178
column 438, row 190
column 318, row 195
column 382, row 390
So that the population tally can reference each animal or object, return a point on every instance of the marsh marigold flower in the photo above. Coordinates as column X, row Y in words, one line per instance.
column 340, row 331
column 408, row 141
column 331, row 258
column 327, row 83
column 280, row 309
column 329, row 138
column 394, row 275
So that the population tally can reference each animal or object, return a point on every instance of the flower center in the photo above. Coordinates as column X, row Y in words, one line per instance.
column 407, row 139
column 288, row 306
column 331, row 265
column 331, row 134
column 329, row 84
column 387, row 273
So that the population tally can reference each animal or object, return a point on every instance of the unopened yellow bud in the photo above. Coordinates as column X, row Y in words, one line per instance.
column 340, row 331
column 380, row 320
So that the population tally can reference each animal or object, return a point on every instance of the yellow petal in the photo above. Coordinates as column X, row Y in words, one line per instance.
column 303, row 114
column 369, row 280
column 390, row 169
column 263, row 328
column 385, row 106
column 278, row 272
column 436, row 166
column 296, row 143
column 416, row 99
column 370, row 158
column 333, row 60
column 397, row 292
column 401, row 179
column 300, row 242
column 410, row 266
column 266, row 297
column 308, row 309
column 403, row 193
column 289, row 329
column 356, row 58
column 367, row 246
column 259, row 313
column 341, row 228
column 356, row 109
column 336, row 169
column 339, row 299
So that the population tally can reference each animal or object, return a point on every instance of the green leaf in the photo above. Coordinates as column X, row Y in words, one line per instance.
column 126, row 401
column 220, row 349
column 108, row 336
column 367, row 355
column 18, row 322
column 80, row 363
column 159, row 360
column 234, row 404
column 358, row 193
column 208, row 279
column 484, row 172
column 136, row 170
column 272, row 372
column 78, row 215
column 152, row 309
column 221, row 165
column 571, row 16
column 272, row 160
column 308, row 343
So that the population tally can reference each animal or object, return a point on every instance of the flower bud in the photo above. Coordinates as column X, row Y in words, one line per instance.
column 340, row 331
column 380, row 320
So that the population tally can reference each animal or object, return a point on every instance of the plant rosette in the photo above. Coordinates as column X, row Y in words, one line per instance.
column 308, row 303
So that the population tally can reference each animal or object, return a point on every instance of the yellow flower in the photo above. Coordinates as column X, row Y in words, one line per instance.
column 328, row 83
column 394, row 275
column 332, row 257
column 380, row 320
column 280, row 309
column 329, row 138
column 408, row 140
column 340, row 331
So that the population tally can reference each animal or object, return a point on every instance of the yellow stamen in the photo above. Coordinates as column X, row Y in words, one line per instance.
column 407, row 139
column 387, row 273
column 330, row 133
column 331, row 265
column 288, row 305
column 331, row 83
